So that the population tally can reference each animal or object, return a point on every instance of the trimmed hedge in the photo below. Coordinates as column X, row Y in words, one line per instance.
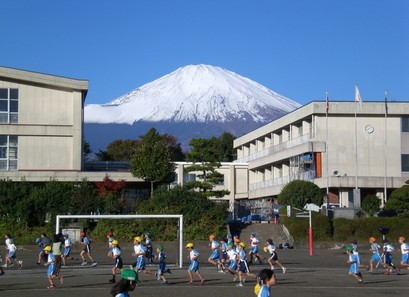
column 343, row 230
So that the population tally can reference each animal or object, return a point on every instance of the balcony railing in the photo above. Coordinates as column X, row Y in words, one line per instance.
column 276, row 148
column 280, row 181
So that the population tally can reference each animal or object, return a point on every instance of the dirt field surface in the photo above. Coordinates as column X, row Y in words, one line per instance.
column 323, row 274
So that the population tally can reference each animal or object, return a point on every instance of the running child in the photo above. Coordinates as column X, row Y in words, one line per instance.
column 388, row 249
column 254, row 248
column 271, row 249
column 86, row 250
column 149, row 247
column 376, row 258
column 116, row 255
column 223, row 249
column 353, row 261
column 404, row 247
column 266, row 279
column 354, row 244
column 214, row 256
column 232, row 260
column 194, row 264
column 56, row 249
column 128, row 283
column 162, row 265
column 139, row 253
column 11, row 255
column 43, row 242
column 243, row 268
column 67, row 249
column 51, row 275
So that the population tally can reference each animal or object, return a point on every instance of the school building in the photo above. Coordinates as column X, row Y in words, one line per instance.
column 352, row 150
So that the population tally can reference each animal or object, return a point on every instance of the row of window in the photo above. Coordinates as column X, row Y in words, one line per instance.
column 405, row 123
column 405, row 163
column 8, row 106
column 8, row 152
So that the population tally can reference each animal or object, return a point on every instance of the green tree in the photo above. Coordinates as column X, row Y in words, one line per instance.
column 84, row 199
column 201, row 216
column 87, row 150
column 152, row 160
column 122, row 150
column 226, row 147
column 205, row 161
column 371, row 204
column 174, row 147
column 299, row 192
column 399, row 200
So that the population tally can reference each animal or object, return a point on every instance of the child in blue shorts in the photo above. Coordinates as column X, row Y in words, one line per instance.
column 52, row 266
column 194, row 264
column 353, row 262
column 162, row 264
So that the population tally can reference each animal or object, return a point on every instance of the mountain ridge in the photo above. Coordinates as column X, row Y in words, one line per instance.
column 191, row 102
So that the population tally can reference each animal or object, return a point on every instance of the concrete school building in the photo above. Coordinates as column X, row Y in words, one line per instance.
column 42, row 136
column 41, row 127
column 352, row 147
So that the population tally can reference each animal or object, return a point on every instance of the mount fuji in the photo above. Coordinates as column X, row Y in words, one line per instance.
column 195, row 101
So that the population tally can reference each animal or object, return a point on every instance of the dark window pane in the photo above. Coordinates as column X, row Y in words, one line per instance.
column 3, row 140
column 13, row 106
column 405, row 163
column 13, row 93
column 405, row 124
column 13, row 140
column 3, row 105
column 4, row 94
column 3, row 152
column 3, row 165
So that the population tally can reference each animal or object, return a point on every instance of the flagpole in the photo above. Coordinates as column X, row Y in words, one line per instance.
column 326, row 142
column 385, row 190
column 356, row 138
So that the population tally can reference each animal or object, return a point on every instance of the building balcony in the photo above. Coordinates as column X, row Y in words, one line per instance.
column 276, row 148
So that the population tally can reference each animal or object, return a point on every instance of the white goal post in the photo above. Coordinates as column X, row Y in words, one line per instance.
column 180, row 217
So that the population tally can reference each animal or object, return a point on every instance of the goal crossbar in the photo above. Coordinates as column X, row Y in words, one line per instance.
column 153, row 216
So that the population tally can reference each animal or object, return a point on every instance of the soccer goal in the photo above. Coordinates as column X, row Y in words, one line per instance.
column 179, row 217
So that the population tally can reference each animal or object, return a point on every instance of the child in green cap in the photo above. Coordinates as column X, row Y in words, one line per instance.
column 128, row 282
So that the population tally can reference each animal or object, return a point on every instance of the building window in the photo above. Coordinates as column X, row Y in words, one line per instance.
column 405, row 124
column 189, row 177
column 405, row 163
column 8, row 152
column 8, row 106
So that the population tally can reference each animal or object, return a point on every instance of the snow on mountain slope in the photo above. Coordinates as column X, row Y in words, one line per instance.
column 194, row 93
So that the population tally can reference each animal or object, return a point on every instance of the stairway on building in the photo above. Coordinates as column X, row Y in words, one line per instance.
column 264, row 230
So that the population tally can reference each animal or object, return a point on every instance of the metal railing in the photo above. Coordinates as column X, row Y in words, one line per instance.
column 276, row 148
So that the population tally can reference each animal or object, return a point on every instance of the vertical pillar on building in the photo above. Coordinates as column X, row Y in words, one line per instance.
column 357, row 198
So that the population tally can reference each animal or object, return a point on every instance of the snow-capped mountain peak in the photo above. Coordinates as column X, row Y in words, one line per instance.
column 194, row 93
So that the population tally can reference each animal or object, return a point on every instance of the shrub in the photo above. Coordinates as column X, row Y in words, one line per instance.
column 371, row 204
column 299, row 192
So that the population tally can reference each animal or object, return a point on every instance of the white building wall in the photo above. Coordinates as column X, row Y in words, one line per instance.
column 49, row 128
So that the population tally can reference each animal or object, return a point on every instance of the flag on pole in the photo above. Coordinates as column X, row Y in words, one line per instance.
column 327, row 102
column 386, row 103
column 358, row 98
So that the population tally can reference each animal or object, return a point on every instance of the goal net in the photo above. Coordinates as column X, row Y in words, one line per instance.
column 178, row 217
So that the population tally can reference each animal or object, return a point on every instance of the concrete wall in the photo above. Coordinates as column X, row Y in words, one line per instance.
column 49, row 127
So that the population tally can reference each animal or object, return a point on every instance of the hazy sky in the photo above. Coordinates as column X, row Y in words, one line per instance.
column 297, row 48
